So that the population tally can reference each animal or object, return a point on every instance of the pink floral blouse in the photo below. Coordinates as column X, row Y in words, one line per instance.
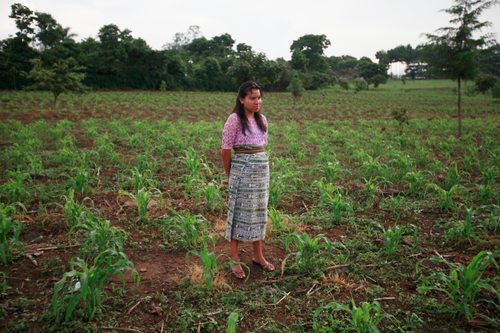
column 232, row 134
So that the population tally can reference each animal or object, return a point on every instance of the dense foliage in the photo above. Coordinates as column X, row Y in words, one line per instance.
column 116, row 60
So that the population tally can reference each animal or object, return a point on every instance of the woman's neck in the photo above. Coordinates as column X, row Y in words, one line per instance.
column 250, row 115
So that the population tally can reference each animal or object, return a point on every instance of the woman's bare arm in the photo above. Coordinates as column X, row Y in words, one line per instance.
column 226, row 160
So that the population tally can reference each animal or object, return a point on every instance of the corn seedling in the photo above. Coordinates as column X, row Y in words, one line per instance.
column 8, row 226
column 331, row 171
column 101, row 236
column 467, row 163
column 276, row 188
column 276, row 220
column 140, row 179
column 371, row 187
column 485, row 194
column 445, row 197
column 85, row 160
column 146, row 164
column 489, row 175
column 453, row 177
column 193, row 162
column 404, row 165
column 92, row 280
column 493, row 221
column 331, row 196
column 4, row 284
column 392, row 237
column 211, row 194
column 231, row 322
column 81, row 181
column 464, row 283
column 143, row 198
column 72, row 210
column 15, row 190
column 306, row 250
column 462, row 230
column 397, row 205
column 210, row 266
column 363, row 319
column 416, row 181
column 191, row 229
column 372, row 167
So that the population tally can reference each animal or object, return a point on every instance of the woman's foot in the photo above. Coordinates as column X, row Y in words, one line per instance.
column 238, row 272
column 264, row 264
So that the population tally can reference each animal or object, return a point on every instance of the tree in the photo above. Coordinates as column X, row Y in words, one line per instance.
column 378, row 79
column 484, row 83
column 299, row 61
column 344, row 66
column 49, row 32
column 63, row 77
column 181, row 39
column 373, row 73
column 24, row 17
column 252, row 66
column 312, row 47
column 242, row 47
column 406, row 54
column 490, row 60
column 296, row 88
column 457, row 49
column 344, row 84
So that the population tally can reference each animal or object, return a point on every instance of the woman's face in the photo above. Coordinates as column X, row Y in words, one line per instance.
column 252, row 101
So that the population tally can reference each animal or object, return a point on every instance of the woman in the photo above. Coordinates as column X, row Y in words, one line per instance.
column 247, row 171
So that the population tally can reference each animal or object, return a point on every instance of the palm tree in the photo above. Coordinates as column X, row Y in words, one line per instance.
column 66, row 35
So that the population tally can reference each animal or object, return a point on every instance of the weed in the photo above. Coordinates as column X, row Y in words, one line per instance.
column 401, row 115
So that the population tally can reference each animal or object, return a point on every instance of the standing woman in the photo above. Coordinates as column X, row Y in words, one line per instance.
column 247, row 171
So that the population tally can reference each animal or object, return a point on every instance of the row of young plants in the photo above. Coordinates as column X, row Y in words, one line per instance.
column 316, row 162
column 420, row 97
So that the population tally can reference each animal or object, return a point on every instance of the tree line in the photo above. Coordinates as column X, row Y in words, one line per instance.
column 117, row 60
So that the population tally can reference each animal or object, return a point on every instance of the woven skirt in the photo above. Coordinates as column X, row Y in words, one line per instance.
column 248, row 197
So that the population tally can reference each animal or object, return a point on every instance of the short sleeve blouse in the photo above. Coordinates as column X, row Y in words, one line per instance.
column 232, row 135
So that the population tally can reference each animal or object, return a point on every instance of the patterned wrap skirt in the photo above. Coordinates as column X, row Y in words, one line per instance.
column 248, row 197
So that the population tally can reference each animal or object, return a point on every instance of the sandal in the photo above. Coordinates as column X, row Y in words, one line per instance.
column 267, row 266
column 238, row 273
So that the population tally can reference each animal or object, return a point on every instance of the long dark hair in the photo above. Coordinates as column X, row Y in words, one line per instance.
column 243, row 91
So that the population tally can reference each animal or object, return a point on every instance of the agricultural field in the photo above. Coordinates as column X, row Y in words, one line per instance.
column 380, row 217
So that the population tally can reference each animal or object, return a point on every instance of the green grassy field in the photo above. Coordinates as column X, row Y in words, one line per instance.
column 364, row 209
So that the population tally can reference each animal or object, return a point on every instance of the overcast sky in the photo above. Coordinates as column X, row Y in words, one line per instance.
column 357, row 27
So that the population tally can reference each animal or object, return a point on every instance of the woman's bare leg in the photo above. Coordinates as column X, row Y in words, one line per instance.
column 259, row 257
column 237, row 270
